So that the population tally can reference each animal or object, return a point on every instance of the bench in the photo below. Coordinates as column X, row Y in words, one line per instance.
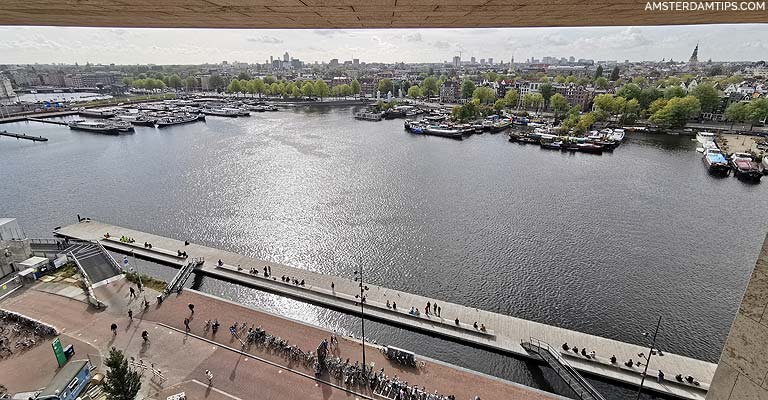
column 379, row 306
column 622, row 367
column 140, row 246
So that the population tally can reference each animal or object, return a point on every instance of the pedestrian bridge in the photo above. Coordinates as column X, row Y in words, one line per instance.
column 503, row 333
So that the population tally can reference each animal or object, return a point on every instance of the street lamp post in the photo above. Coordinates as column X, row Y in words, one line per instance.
column 361, row 297
column 648, row 359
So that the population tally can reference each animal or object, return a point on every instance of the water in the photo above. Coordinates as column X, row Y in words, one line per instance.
column 600, row 244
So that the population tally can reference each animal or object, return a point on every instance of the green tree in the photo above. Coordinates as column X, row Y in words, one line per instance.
column 640, row 81
column 533, row 100
column 758, row 110
column 737, row 112
column 295, row 92
column 511, row 97
column 415, row 92
column 355, row 86
column 385, row 86
column 269, row 80
column 629, row 91
column 491, row 76
column 259, row 86
column 429, row 86
column 708, row 96
column 560, row 79
column 244, row 76
column 467, row 89
column 601, row 82
column 121, row 383
column 546, row 91
column 674, row 91
column 277, row 89
column 234, row 86
column 559, row 103
column 499, row 105
column 677, row 112
column 649, row 95
column 630, row 112
column 190, row 83
column 599, row 71
column 570, row 79
column 174, row 81
column 127, row 81
column 484, row 95
column 308, row 89
column 216, row 82
column 321, row 89
column 615, row 74
column 585, row 122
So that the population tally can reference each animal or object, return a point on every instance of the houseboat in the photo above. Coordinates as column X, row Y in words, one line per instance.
column 95, row 126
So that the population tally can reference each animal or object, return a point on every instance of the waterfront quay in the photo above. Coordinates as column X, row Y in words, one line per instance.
column 504, row 334
column 181, row 357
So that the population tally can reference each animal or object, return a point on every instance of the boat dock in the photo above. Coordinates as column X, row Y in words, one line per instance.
column 23, row 136
column 47, row 121
column 504, row 334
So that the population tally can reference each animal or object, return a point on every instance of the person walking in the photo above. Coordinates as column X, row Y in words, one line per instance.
column 113, row 327
column 186, row 324
column 133, row 293
column 130, row 314
column 138, row 285
column 209, row 375
column 434, row 308
column 191, row 308
column 438, row 311
column 661, row 377
column 145, row 336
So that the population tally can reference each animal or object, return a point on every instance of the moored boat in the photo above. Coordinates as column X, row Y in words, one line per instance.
column 368, row 116
column 715, row 161
column 177, row 120
column 745, row 168
column 95, row 126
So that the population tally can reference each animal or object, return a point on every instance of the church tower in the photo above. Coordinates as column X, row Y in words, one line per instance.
column 695, row 56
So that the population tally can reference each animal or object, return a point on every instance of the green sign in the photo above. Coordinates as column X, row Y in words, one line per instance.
column 59, row 352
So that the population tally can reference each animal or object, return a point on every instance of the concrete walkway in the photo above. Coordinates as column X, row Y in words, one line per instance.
column 505, row 333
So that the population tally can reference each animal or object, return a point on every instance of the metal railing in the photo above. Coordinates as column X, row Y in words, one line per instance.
column 571, row 377
column 88, row 285
column 109, row 257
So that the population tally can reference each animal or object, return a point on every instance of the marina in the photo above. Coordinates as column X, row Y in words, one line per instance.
column 503, row 333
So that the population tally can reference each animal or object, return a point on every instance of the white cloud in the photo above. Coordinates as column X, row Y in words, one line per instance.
column 166, row 46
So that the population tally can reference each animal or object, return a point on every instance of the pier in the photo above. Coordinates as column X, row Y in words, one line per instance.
column 504, row 334
column 23, row 136
column 47, row 121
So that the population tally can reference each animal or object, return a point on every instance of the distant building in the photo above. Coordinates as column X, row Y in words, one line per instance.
column 355, row 62
column 456, row 61
column 334, row 62
column 6, row 90
column 286, row 57
column 490, row 61
column 472, row 60
column 576, row 95
column 449, row 92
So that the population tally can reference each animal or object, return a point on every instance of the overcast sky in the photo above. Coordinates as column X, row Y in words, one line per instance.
column 193, row 46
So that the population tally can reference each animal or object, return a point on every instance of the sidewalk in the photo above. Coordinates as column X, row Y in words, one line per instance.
column 183, row 358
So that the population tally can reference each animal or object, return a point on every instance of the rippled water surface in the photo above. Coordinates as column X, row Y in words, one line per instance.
column 601, row 244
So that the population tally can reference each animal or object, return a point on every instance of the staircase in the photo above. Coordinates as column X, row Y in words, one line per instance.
column 178, row 281
column 560, row 365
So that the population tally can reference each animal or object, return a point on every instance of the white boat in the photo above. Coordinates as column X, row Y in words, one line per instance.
column 617, row 135
column 220, row 112
column 99, row 113
column 704, row 137
column 98, row 126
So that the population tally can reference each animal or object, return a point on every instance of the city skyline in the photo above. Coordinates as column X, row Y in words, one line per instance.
column 44, row 45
